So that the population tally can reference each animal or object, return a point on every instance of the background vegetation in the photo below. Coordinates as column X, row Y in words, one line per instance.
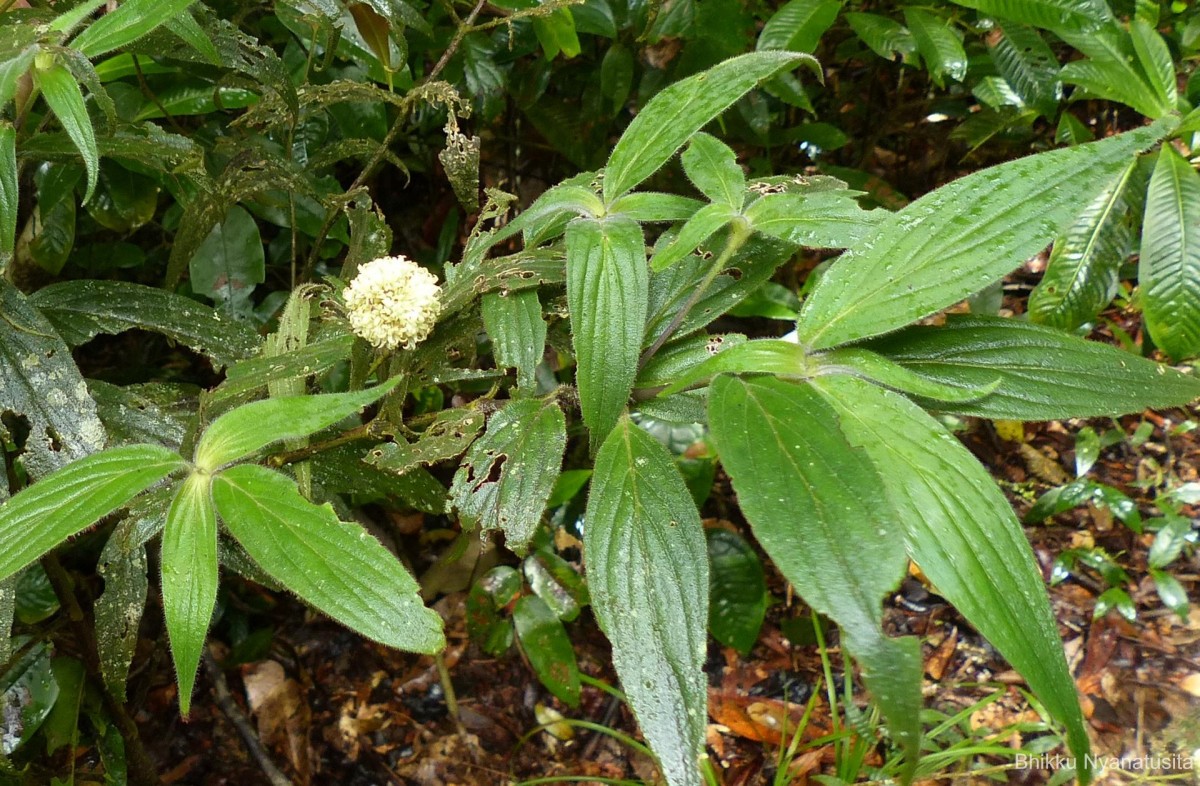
column 187, row 187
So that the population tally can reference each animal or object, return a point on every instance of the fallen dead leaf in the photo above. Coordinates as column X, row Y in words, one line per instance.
column 282, row 713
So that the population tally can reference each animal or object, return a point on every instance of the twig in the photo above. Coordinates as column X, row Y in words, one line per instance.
column 242, row 723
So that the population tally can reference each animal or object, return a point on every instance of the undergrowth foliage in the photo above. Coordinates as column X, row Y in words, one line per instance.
column 347, row 374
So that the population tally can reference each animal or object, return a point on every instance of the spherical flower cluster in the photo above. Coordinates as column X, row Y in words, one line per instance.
column 393, row 302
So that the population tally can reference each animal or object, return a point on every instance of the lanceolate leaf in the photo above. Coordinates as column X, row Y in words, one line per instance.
column 939, row 45
column 682, row 109
column 1045, row 374
column 712, row 167
column 1169, row 270
column 76, row 497
column 1155, row 60
column 9, row 196
column 813, row 503
column 1082, row 273
column 866, row 364
column 1028, row 64
column 507, row 475
column 548, row 648
column 336, row 567
column 252, row 427
column 40, row 382
column 514, row 322
column 798, row 25
column 826, row 219
column 1111, row 70
column 702, row 225
column 648, row 578
column 608, row 296
column 132, row 20
column 189, row 578
column 1080, row 16
column 79, row 310
column 11, row 71
column 960, row 238
column 62, row 93
column 960, row 530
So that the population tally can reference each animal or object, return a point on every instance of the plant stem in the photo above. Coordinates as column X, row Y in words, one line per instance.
column 738, row 235
column 141, row 769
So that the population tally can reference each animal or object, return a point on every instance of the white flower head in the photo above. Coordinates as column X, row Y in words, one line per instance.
column 393, row 302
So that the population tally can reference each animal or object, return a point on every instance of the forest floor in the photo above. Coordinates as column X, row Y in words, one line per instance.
column 331, row 708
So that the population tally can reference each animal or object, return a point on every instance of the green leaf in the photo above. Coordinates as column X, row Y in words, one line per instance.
column 255, row 373
column 74, row 498
column 11, row 71
column 29, row 691
column 825, row 219
column 189, row 578
column 648, row 577
column 608, row 296
column 193, row 99
column 51, row 235
column 556, row 33
column 123, row 567
column 872, row 366
column 81, row 310
column 798, row 25
column 188, row 30
column 712, row 167
column 1169, row 266
column 960, row 530
column 737, row 590
column 1045, row 374
column 452, row 431
column 960, row 238
column 487, row 599
column 679, row 111
column 1028, row 64
column 252, row 427
column 1155, row 60
column 938, row 44
column 812, row 502
column 1087, row 450
column 702, row 225
column 885, row 37
column 514, row 322
column 132, row 20
column 1082, row 273
column 1111, row 70
column 548, row 648
column 9, row 195
column 1082, row 16
column 336, row 567
column 65, row 99
column 40, row 382
column 1171, row 592
column 506, row 477
column 230, row 261
column 651, row 206
column 761, row 356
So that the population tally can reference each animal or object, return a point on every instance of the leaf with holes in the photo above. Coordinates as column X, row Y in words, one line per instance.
column 507, row 475
column 81, row 310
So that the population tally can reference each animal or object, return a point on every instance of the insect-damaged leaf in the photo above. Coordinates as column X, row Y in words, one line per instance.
column 39, row 382
column 509, row 472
